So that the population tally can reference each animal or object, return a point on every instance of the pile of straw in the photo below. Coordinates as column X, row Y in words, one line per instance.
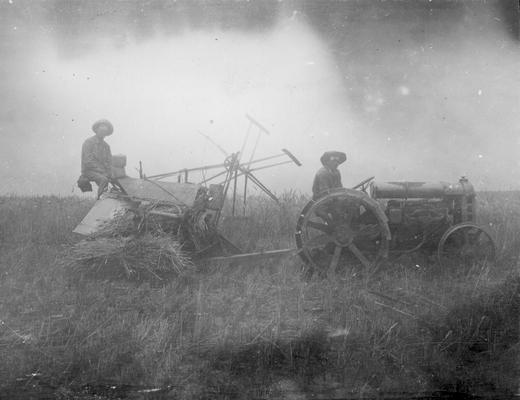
column 122, row 224
column 150, row 257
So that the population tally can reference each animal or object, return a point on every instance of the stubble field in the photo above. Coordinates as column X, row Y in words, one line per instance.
column 252, row 330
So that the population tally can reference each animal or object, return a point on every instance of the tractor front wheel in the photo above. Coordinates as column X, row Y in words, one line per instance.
column 466, row 245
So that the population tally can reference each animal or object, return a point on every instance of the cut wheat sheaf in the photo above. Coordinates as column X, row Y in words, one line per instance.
column 119, row 251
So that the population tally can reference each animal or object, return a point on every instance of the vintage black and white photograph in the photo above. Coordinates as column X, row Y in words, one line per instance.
column 263, row 199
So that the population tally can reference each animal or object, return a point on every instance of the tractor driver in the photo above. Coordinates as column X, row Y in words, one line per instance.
column 328, row 177
column 96, row 158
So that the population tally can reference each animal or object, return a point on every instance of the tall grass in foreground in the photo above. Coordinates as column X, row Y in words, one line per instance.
column 500, row 213
column 252, row 330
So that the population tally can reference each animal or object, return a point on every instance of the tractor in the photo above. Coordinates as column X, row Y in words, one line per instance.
column 373, row 221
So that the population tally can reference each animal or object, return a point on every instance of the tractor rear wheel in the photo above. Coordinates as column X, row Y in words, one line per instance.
column 343, row 232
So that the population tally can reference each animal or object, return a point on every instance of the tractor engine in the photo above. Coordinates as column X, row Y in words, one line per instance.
column 418, row 212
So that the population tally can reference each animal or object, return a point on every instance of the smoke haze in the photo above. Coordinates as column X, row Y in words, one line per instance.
column 410, row 90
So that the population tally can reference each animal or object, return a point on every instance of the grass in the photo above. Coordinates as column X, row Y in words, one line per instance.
column 256, row 329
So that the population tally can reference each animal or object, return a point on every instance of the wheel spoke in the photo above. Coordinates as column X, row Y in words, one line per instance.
column 319, row 241
column 335, row 260
column 370, row 231
column 352, row 212
column 319, row 226
column 465, row 234
column 354, row 249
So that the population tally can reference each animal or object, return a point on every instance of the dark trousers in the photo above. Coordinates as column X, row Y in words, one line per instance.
column 100, row 179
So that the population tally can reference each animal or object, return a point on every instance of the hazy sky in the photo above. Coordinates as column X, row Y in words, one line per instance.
column 410, row 90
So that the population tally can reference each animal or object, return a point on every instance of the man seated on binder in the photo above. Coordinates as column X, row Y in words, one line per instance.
column 96, row 158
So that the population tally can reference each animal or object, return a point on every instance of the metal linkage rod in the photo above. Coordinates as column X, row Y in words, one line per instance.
column 264, row 188
column 258, row 124
column 184, row 170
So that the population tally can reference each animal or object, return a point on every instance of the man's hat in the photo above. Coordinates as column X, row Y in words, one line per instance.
column 331, row 155
column 100, row 122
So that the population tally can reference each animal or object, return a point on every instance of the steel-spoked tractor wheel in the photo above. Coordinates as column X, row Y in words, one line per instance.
column 343, row 232
column 466, row 245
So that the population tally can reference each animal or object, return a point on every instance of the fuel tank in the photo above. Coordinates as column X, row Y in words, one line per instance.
column 421, row 190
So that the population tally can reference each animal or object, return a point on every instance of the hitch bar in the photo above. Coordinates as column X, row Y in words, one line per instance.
column 256, row 256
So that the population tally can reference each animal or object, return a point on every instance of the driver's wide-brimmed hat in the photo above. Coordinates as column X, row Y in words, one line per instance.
column 105, row 122
column 331, row 155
